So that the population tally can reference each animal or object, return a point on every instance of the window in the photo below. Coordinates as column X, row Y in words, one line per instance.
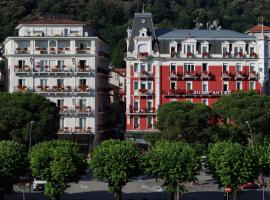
column 82, row 82
column 225, row 67
column 204, row 67
column 252, row 85
column 136, row 67
column 136, row 85
column 225, row 86
column 238, row 85
column 21, row 63
column 225, row 49
column 43, row 82
column 60, row 63
column 204, row 86
column 149, row 105
column 252, row 67
column 149, row 68
column 173, row 68
column 149, row 86
column 205, row 101
column 136, row 122
column 204, row 49
column 251, row 50
column 136, row 105
column 189, row 67
column 149, row 122
column 60, row 82
column 82, row 103
column 82, row 122
column 238, row 67
column 62, row 120
column 43, row 65
column 173, row 85
column 60, row 103
column 189, row 85
column 21, row 82
column 82, row 63
column 143, row 67
column 189, row 48
column 143, row 85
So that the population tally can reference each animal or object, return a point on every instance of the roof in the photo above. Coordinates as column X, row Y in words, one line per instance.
column 53, row 21
column 258, row 28
column 200, row 34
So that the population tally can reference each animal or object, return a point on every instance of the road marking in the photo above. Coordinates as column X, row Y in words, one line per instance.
column 155, row 188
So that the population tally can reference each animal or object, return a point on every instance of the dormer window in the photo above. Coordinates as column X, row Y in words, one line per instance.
column 173, row 49
column 226, row 49
column 239, row 49
column 205, row 49
column 189, row 47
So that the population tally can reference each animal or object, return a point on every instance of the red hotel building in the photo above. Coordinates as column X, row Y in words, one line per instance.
column 187, row 65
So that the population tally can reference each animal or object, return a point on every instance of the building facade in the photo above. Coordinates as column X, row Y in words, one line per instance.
column 66, row 62
column 165, row 65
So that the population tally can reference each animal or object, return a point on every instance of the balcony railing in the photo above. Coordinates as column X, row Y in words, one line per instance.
column 22, row 51
column 83, row 51
column 253, row 75
column 190, row 75
column 24, row 68
column 141, row 111
column 174, row 93
column 206, row 75
column 42, row 50
column 83, row 88
column 82, row 68
column 21, row 88
column 145, row 92
column 227, row 75
column 76, row 130
column 175, row 75
column 240, row 75
column 145, row 74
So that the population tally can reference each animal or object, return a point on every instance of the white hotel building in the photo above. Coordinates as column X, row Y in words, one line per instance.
column 66, row 62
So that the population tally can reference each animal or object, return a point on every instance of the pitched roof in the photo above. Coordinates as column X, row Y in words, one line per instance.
column 54, row 21
column 258, row 28
column 201, row 34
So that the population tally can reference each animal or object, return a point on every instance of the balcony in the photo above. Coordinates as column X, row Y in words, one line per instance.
column 51, row 69
column 190, row 75
column 142, row 111
column 240, row 75
column 21, row 88
column 206, row 75
column 145, row 74
column 64, row 50
column 21, row 69
column 41, row 50
column 227, row 75
column 253, row 75
column 83, row 130
column 83, row 89
column 83, row 51
column 84, row 69
column 22, row 51
column 174, row 75
column 145, row 92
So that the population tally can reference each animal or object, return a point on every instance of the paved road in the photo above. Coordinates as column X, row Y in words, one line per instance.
column 143, row 188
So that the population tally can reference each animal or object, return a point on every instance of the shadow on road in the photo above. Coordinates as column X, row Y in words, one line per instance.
column 105, row 195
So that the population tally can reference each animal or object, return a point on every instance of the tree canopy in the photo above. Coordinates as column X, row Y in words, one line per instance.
column 17, row 110
column 116, row 162
column 13, row 163
column 59, row 163
column 186, row 121
column 111, row 18
column 247, row 111
column 232, row 164
column 174, row 162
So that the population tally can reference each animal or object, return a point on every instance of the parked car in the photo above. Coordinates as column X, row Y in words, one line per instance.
column 39, row 185
column 249, row 185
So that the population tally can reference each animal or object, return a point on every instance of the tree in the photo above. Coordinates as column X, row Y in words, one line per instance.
column 59, row 163
column 174, row 162
column 13, row 163
column 242, row 107
column 116, row 162
column 17, row 110
column 232, row 165
column 186, row 121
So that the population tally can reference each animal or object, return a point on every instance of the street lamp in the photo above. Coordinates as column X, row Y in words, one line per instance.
column 30, row 143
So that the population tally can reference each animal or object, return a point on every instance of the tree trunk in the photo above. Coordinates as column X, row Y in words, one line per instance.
column 235, row 195
column 56, row 197
column 118, row 193
column 261, row 179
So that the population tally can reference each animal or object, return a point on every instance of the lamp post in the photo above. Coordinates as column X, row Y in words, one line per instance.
column 30, row 144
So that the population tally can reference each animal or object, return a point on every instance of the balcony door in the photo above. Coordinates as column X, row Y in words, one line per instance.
column 82, row 103
column 21, row 82
column 21, row 63
column 60, row 103
column 82, row 122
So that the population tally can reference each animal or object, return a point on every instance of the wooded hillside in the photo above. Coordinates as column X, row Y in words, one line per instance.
column 112, row 17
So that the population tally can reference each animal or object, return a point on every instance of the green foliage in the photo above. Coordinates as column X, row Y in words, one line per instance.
column 17, row 110
column 116, row 162
column 108, row 16
column 232, row 164
column 246, row 106
column 186, row 121
column 13, row 163
column 58, row 162
column 174, row 162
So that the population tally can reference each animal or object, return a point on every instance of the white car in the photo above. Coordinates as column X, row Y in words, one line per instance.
column 38, row 185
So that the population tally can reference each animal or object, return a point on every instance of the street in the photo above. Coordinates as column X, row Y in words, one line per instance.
column 142, row 188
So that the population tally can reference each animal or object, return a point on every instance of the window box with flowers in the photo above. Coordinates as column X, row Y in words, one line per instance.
column 205, row 54
column 240, row 54
column 226, row 55
column 143, row 90
column 189, row 54
column 253, row 55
